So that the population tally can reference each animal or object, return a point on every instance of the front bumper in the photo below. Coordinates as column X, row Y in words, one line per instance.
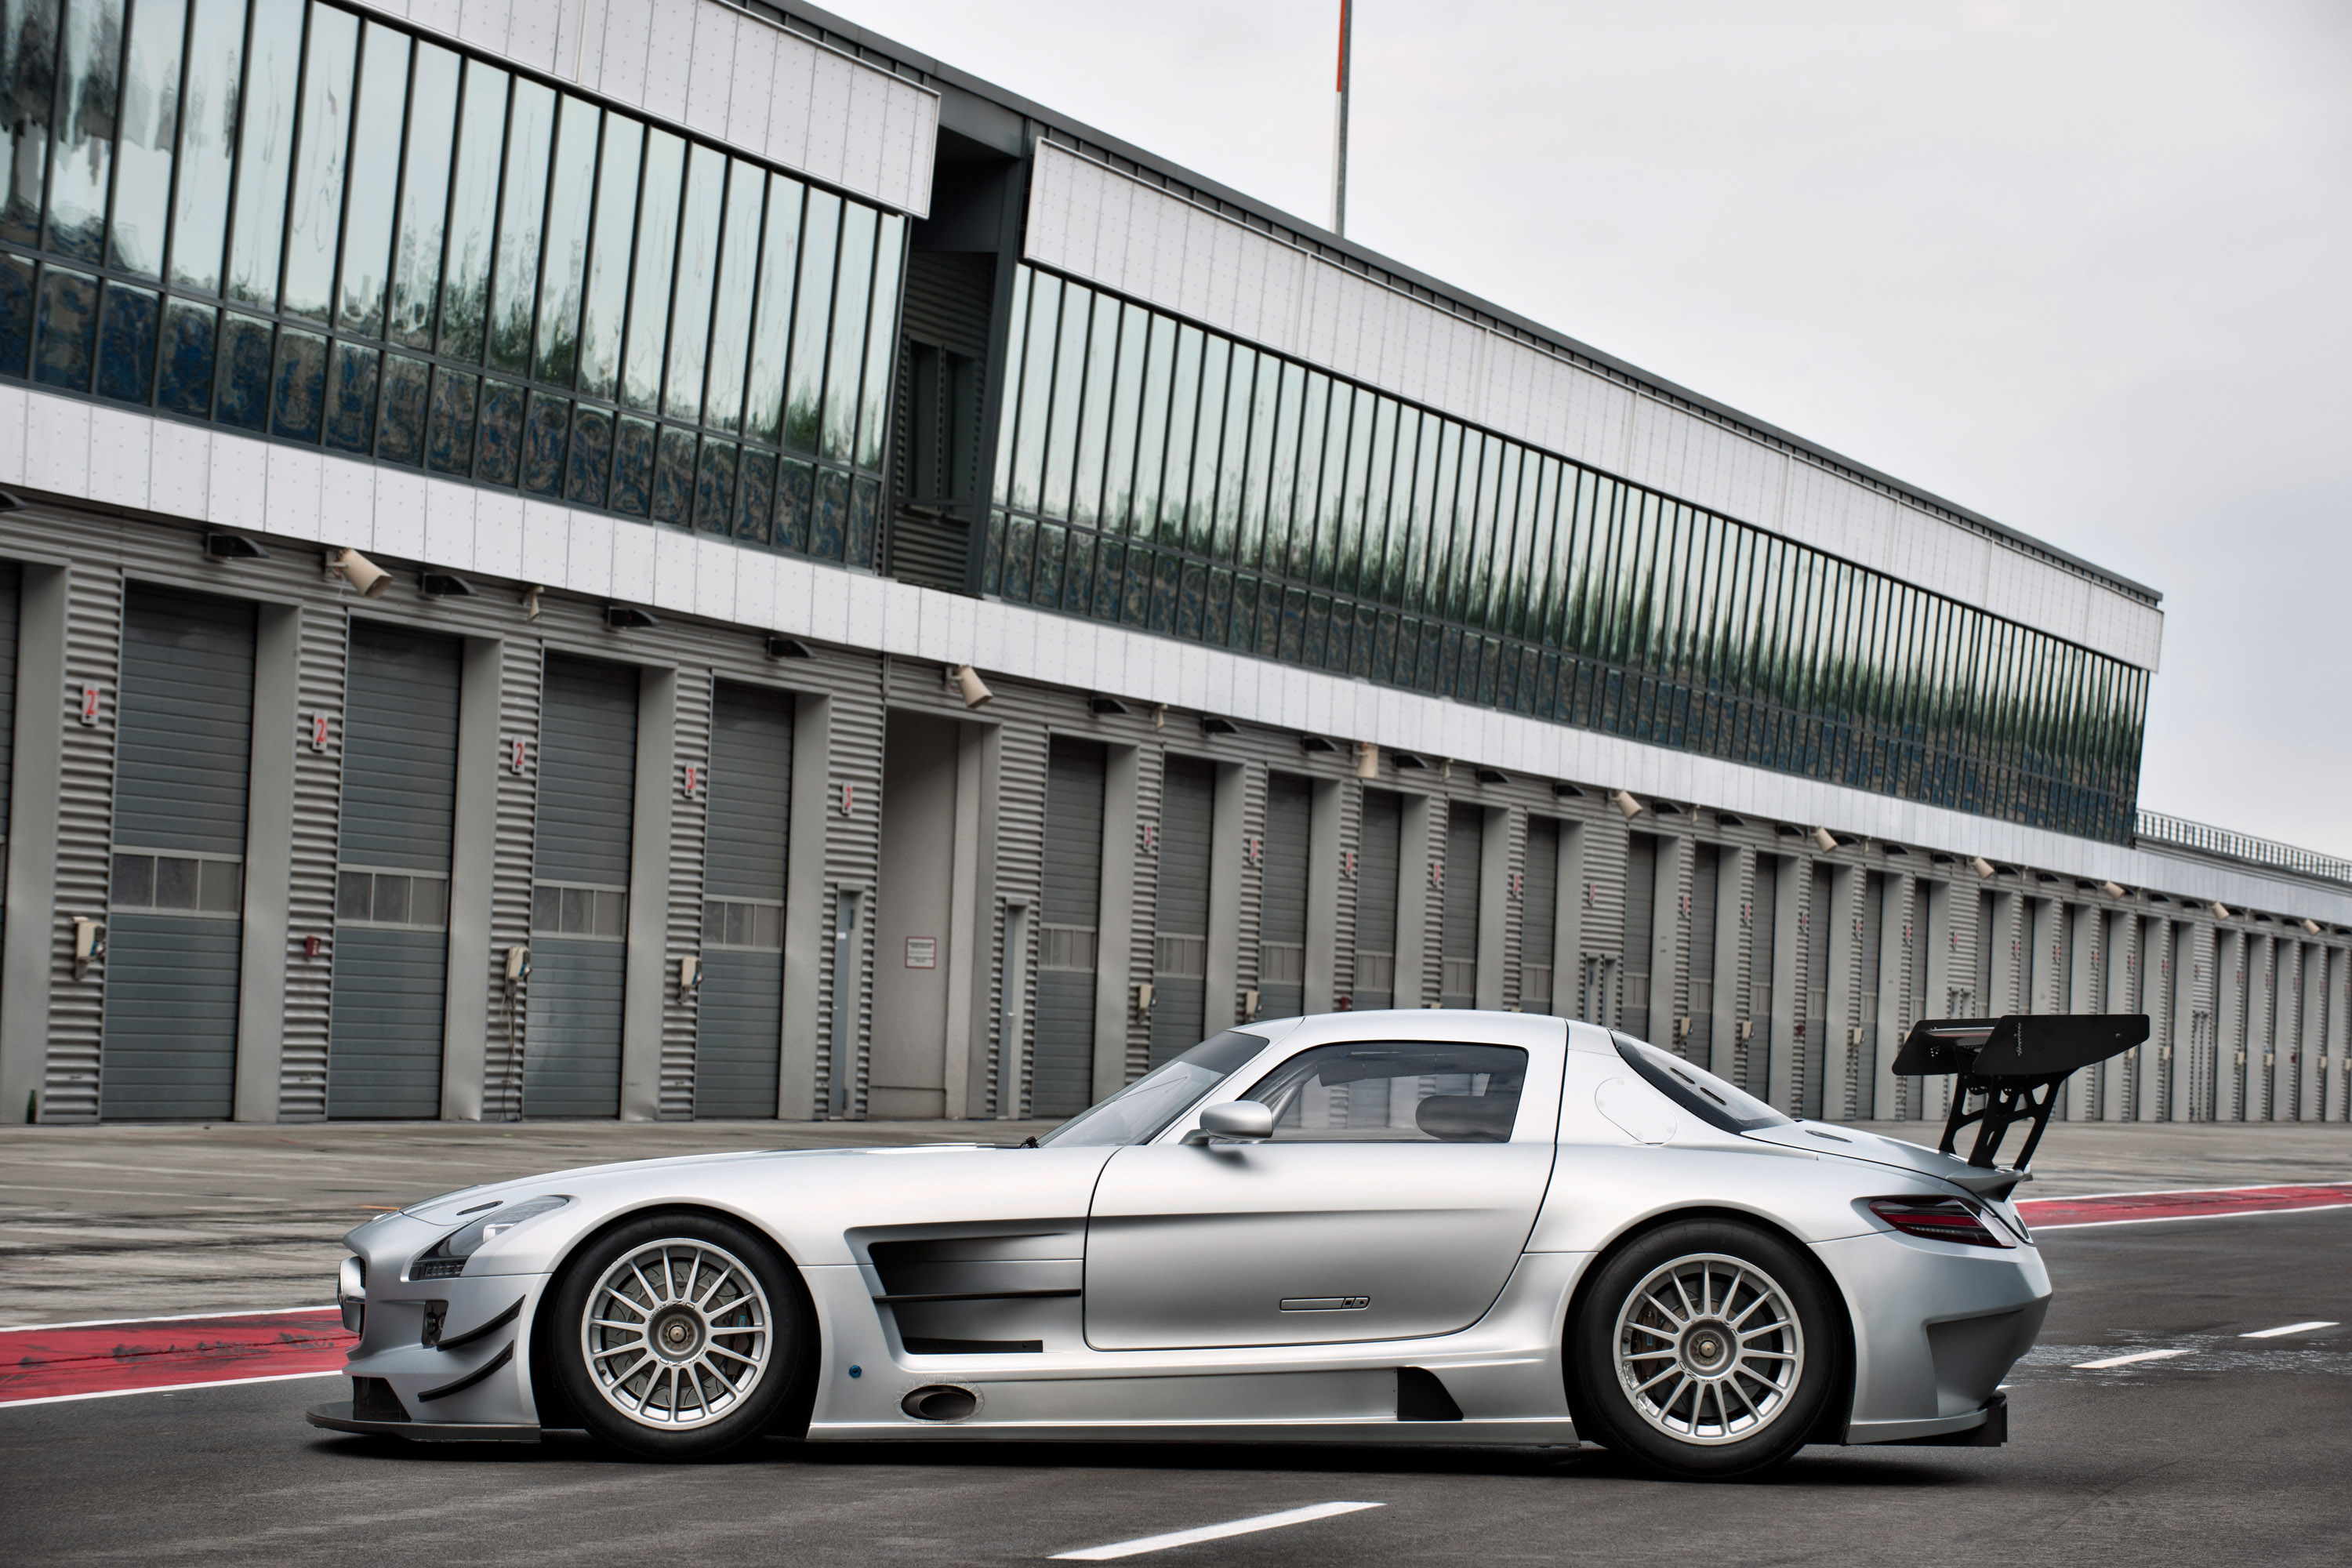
column 436, row 1354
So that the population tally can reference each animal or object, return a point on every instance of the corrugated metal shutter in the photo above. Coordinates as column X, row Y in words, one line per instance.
column 738, row 1034
column 1063, row 1083
column 587, row 797
column 12, row 579
column 1763, row 936
column 1706, row 868
column 1466, row 842
column 392, row 927
column 1375, row 899
column 1282, row 919
column 184, row 745
column 1814, row 922
column 1641, row 915
column 1538, row 916
column 1180, row 937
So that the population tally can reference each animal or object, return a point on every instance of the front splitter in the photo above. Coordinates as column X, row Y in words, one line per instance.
column 337, row 1418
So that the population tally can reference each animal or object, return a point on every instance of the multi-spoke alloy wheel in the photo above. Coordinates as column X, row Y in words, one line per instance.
column 1708, row 1348
column 1705, row 1348
column 676, row 1334
column 679, row 1335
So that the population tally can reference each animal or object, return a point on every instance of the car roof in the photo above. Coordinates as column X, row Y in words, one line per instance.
column 1462, row 1024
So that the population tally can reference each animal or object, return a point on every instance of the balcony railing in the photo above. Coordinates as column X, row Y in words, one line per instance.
column 2155, row 827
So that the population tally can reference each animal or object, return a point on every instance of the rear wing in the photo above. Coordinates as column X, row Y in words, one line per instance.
column 2013, row 1066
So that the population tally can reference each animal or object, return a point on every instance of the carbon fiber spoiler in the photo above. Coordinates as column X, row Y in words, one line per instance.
column 2012, row 1067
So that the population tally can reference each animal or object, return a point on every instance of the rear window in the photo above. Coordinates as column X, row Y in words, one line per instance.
column 1713, row 1100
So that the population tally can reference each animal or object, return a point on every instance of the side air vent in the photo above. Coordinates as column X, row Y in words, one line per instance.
column 373, row 1400
column 939, row 1402
column 1421, row 1395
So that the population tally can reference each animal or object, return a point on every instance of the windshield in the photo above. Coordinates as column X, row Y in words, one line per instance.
column 1142, row 1110
column 1710, row 1099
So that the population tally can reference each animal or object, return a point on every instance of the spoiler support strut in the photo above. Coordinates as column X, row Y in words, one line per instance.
column 2013, row 1065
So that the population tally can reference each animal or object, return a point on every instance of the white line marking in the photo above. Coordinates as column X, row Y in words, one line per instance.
column 2040, row 1226
column 1210, row 1532
column 175, row 1318
column 2175, row 1191
column 164, row 1388
column 2128, row 1360
column 2290, row 1328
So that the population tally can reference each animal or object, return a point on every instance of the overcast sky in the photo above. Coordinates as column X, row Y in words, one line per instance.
column 2085, row 268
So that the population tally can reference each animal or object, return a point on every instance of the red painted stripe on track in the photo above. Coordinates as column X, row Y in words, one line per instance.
column 45, row 1363
column 2112, row 1208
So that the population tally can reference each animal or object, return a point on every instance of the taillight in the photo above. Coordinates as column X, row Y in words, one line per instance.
column 1938, row 1219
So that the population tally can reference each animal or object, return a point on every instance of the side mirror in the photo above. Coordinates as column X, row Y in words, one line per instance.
column 1237, row 1121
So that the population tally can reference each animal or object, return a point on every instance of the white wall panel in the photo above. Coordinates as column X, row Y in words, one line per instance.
column 498, row 535
column 295, row 489
column 1136, row 240
column 828, row 121
column 669, row 61
column 628, row 39
column 588, row 560
column 711, row 82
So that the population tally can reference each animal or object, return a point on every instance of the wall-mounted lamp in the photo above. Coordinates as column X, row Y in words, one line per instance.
column 969, row 686
column 788, row 648
column 1490, row 776
column 445, row 585
column 1725, row 819
column 1623, row 801
column 1824, row 840
column 1407, row 760
column 367, row 579
column 2221, row 911
column 233, row 547
column 628, row 618
column 1368, row 760
column 530, row 602
column 1219, row 727
column 1982, row 867
column 2114, row 889
column 2311, row 928
column 1566, row 792
column 1314, row 745
column 1107, row 707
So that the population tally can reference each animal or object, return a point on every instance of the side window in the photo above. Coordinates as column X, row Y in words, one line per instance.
column 1396, row 1091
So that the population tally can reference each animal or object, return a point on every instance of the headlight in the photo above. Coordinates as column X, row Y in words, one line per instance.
column 445, row 1258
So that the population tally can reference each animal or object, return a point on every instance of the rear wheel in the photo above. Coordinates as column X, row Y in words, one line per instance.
column 678, row 1336
column 1706, row 1349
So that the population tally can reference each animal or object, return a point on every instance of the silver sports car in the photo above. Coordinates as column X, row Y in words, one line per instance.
column 1406, row 1227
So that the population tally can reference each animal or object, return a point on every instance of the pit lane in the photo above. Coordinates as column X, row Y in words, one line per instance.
column 2231, row 1451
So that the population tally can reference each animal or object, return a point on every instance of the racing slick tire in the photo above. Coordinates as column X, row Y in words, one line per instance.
column 1704, row 1350
column 678, row 1336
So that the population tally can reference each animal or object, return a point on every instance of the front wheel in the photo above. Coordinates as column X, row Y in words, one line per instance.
column 678, row 1336
column 1704, row 1350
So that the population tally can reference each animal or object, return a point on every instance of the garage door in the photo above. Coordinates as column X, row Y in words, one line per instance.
column 1465, row 843
column 1282, row 903
column 739, row 1025
column 1375, row 899
column 391, row 875
column 1063, row 1081
column 1179, row 947
column 580, row 889
column 184, row 745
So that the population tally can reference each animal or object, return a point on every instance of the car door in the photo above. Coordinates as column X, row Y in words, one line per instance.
column 1391, row 1201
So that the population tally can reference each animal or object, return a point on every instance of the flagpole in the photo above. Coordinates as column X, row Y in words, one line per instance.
column 1340, row 132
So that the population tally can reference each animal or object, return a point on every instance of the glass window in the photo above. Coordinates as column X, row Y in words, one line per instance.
column 376, row 179
column 852, row 286
column 738, row 264
column 531, row 143
column 207, row 142
column 657, row 260
column 804, row 381
column 697, row 282
column 88, row 98
column 606, row 294
column 1396, row 1091
column 571, row 207
column 881, row 340
column 423, row 195
column 264, row 152
column 325, row 135
column 150, row 126
column 772, row 313
column 1146, row 1108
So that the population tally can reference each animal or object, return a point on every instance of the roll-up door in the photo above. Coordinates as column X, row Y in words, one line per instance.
column 1179, row 946
column 1707, row 866
column 1063, row 1081
column 1375, row 899
column 1763, row 956
column 184, row 747
column 1282, row 900
column 739, row 1029
column 1538, row 916
column 580, row 889
column 1465, row 843
column 392, row 874
column 1812, row 1046
column 1641, row 915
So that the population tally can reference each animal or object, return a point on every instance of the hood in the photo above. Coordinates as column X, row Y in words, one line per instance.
column 444, row 1209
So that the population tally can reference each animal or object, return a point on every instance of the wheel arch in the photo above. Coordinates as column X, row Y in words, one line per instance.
column 554, row 1404
column 1837, row 1411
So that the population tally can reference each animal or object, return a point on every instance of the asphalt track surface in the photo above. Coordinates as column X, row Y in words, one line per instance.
column 2233, row 1452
